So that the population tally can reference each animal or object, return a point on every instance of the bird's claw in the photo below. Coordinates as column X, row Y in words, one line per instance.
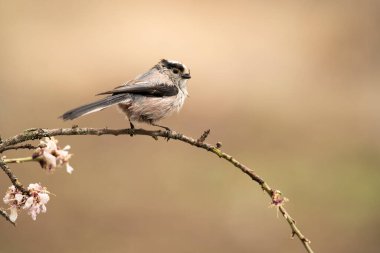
column 168, row 134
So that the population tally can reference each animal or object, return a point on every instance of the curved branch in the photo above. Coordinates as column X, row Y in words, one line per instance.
column 33, row 134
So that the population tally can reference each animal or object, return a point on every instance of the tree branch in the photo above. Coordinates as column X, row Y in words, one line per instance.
column 6, row 216
column 25, row 146
column 12, row 177
column 33, row 134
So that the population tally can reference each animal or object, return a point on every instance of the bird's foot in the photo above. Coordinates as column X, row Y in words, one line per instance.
column 168, row 130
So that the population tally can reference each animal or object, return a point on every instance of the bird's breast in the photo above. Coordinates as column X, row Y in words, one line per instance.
column 142, row 108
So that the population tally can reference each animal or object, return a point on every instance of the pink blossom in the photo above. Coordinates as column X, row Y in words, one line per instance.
column 15, row 199
column 37, row 200
column 34, row 202
column 51, row 156
column 278, row 200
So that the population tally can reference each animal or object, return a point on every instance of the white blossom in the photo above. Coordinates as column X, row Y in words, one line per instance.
column 34, row 202
column 50, row 156
column 14, row 198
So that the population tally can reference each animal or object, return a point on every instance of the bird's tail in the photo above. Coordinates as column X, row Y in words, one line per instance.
column 93, row 107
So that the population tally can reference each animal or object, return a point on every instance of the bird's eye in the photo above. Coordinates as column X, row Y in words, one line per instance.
column 175, row 71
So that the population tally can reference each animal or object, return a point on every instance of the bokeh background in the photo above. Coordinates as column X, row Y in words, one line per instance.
column 291, row 88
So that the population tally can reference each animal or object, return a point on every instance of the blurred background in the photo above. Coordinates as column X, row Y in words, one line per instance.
column 291, row 88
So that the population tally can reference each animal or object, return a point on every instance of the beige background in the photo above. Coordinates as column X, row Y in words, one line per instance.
column 291, row 88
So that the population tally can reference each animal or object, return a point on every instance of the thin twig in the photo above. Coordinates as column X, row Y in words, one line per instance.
column 34, row 134
column 12, row 177
column 25, row 146
column 295, row 230
column 204, row 136
column 19, row 160
column 6, row 216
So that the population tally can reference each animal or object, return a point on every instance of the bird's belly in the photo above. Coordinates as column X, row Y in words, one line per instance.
column 150, row 109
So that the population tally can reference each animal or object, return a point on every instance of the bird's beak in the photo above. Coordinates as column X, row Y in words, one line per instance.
column 186, row 76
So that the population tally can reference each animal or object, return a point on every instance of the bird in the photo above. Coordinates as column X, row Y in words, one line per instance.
column 148, row 98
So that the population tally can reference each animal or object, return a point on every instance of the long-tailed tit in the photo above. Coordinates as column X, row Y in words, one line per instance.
column 148, row 98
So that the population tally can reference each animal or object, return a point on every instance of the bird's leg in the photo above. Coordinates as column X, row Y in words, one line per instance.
column 132, row 127
column 169, row 131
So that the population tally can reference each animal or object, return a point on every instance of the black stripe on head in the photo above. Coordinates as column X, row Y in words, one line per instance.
column 171, row 65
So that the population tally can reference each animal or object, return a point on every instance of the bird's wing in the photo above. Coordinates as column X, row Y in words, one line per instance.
column 145, row 89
